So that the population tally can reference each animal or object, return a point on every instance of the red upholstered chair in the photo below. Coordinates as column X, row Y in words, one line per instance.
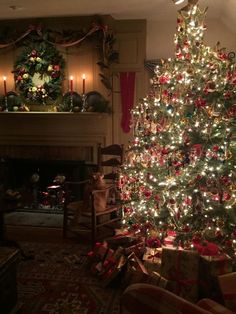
column 143, row 298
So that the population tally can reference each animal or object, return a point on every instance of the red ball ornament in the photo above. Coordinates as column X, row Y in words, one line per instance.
column 215, row 148
column 218, row 234
column 185, row 229
column 233, row 234
column 163, row 79
column 33, row 53
column 228, row 243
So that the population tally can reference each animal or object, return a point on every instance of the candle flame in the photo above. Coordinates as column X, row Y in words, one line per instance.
column 83, row 76
column 4, row 78
column 71, row 77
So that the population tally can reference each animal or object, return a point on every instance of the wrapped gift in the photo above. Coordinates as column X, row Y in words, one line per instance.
column 210, row 268
column 99, row 251
column 114, row 270
column 156, row 279
column 111, row 260
column 138, row 248
column 97, row 256
column 215, row 265
column 152, row 259
column 136, row 271
column 123, row 240
column 227, row 285
column 169, row 240
column 181, row 269
column 129, row 243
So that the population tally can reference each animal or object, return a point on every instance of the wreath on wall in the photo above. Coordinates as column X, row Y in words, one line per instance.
column 39, row 72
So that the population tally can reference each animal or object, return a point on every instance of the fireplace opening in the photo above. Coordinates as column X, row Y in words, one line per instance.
column 38, row 183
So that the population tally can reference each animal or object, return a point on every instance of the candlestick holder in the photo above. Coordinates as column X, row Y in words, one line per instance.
column 6, row 104
column 83, row 103
column 71, row 101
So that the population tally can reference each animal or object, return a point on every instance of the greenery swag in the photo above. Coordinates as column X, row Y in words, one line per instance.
column 39, row 69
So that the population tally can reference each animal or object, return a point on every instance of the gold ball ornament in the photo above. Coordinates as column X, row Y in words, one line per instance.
column 197, row 235
column 233, row 187
column 210, row 234
column 217, row 120
column 228, row 154
column 154, row 233
column 220, row 223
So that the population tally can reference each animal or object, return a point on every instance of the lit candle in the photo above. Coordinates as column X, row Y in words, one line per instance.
column 71, row 84
column 5, row 85
column 83, row 77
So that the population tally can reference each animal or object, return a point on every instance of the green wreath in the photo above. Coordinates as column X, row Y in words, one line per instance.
column 38, row 73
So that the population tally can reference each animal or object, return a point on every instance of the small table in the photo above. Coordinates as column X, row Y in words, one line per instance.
column 7, row 206
column 9, row 258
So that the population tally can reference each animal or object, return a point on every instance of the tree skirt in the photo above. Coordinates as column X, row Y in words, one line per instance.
column 34, row 219
column 58, row 280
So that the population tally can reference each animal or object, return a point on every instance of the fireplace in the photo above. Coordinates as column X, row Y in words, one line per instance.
column 42, row 146
column 48, row 135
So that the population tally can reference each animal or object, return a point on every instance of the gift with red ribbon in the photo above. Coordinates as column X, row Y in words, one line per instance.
column 216, row 265
column 129, row 243
column 227, row 285
column 98, row 255
column 152, row 259
column 210, row 268
column 181, row 269
column 169, row 240
column 113, row 266
column 136, row 272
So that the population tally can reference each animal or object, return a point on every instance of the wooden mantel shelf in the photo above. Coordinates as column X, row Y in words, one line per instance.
column 52, row 129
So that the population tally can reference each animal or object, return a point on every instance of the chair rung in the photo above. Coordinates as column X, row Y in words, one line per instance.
column 108, row 211
column 108, row 222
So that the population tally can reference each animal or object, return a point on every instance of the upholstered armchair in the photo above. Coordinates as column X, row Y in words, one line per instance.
column 143, row 298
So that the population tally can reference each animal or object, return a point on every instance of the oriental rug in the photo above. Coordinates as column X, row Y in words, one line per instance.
column 57, row 280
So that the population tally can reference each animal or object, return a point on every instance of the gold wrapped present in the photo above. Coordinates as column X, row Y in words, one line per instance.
column 215, row 265
column 210, row 268
column 181, row 269
column 227, row 283
column 136, row 271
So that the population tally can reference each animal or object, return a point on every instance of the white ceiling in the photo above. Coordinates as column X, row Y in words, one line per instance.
column 155, row 10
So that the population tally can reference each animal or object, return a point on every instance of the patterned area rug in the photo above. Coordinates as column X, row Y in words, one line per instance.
column 58, row 281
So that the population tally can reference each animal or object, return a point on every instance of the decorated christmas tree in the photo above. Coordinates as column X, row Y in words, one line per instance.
column 179, row 172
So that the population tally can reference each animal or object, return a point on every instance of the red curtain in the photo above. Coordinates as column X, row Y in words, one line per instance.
column 127, row 86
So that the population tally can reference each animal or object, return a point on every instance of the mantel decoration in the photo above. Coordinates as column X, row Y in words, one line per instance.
column 39, row 69
column 38, row 73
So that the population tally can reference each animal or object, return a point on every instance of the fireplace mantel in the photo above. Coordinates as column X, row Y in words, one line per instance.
column 53, row 135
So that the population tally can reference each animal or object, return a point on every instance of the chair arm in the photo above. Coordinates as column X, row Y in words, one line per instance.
column 213, row 307
column 146, row 298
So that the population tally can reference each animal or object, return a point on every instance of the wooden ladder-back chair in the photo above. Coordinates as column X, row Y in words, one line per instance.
column 87, row 209
column 109, row 159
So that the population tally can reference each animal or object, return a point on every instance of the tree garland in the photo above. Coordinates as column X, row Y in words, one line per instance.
column 39, row 72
